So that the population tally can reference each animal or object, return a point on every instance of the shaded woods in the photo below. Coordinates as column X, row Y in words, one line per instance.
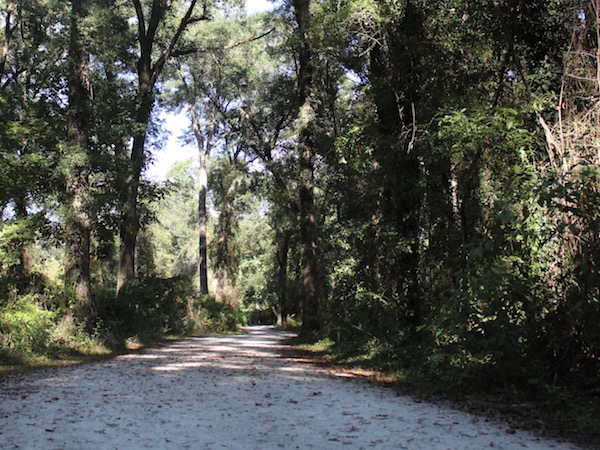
column 415, row 182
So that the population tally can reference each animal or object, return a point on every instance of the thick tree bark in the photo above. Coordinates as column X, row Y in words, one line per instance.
column 78, row 223
column 395, row 90
column 306, row 153
column 308, row 235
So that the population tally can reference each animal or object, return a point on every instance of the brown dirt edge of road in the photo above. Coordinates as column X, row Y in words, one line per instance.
column 530, row 416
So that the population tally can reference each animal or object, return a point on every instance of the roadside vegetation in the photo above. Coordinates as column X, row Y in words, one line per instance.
column 38, row 331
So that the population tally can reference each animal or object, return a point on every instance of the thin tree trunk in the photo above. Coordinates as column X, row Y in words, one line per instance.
column 202, row 225
column 204, row 142
column 282, row 262
column 23, row 268
column 8, row 30
column 78, row 223
column 130, row 225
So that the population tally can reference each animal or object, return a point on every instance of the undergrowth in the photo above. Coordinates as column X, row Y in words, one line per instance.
column 38, row 330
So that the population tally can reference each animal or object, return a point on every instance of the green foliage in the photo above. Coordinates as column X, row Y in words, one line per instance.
column 208, row 316
column 147, row 308
column 25, row 326
column 32, row 327
column 256, row 269
column 459, row 237
column 150, row 308
column 17, row 234
column 170, row 242
column 40, row 326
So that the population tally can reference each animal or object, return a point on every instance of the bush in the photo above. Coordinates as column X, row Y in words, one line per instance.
column 149, row 308
column 25, row 327
column 145, row 308
column 29, row 328
column 206, row 316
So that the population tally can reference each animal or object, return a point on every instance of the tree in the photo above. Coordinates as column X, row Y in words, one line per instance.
column 307, row 119
column 78, row 224
column 261, row 123
column 149, row 69
column 201, row 85
column 213, row 80
column 173, row 237
column 30, row 131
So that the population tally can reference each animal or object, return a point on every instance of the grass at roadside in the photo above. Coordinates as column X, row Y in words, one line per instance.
column 95, row 350
column 35, row 362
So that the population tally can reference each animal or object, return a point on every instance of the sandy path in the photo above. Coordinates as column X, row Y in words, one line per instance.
column 228, row 393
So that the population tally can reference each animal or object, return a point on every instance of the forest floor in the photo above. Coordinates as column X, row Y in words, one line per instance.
column 232, row 392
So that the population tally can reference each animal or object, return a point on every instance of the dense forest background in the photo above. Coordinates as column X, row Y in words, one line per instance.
column 415, row 181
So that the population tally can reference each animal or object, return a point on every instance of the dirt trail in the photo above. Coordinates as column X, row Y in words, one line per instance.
column 234, row 392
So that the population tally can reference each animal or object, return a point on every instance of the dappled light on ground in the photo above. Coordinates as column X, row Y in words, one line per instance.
column 220, row 352
column 229, row 392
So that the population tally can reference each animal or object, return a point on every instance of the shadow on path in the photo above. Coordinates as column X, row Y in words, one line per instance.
column 229, row 392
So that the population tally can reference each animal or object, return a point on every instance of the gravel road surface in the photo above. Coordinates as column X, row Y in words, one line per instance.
column 233, row 392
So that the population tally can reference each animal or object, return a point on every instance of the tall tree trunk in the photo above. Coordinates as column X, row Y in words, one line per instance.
column 130, row 224
column 204, row 142
column 308, row 235
column 22, row 269
column 9, row 27
column 395, row 88
column 283, row 240
column 78, row 223
column 306, row 153
column 148, row 74
column 202, row 225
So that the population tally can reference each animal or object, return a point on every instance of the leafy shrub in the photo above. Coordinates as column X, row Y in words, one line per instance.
column 146, row 308
column 31, row 327
column 25, row 327
column 205, row 315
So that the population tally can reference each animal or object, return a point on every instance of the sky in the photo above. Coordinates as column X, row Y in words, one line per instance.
column 173, row 150
column 176, row 124
column 253, row 6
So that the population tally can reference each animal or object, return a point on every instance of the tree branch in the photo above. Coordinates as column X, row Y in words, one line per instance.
column 202, row 18
column 141, row 21
column 156, row 15
column 169, row 51
column 7, row 36
column 191, row 51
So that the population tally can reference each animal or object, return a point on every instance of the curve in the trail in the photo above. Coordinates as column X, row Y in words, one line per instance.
column 232, row 392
